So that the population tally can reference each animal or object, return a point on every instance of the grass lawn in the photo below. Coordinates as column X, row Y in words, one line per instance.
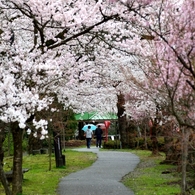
column 146, row 179
column 39, row 180
column 152, row 178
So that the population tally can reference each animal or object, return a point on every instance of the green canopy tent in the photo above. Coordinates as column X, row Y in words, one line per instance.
column 91, row 117
column 95, row 116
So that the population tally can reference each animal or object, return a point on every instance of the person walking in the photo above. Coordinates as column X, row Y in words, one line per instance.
column 98, row 134
column 88, row 135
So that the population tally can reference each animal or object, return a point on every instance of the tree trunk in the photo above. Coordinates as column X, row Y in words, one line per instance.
column 169, row 149
column 154, row 146
column 81, row 132
column 2, row 138
column 153, row 137
column 122, row 120
column 185, row 137
column 4, row 181
column 2, row 174
column 17, row 160
column 145, row 139
column 50, row 150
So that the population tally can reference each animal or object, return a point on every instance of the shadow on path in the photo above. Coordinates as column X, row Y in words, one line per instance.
column 103, row 177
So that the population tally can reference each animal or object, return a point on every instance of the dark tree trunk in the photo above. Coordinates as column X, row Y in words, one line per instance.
column 17, row 160
column 153, row 137
column 2, row 138
column 2, row 174
column 145, row 139
column 81, row 132
column 4, row 181
column 50, row 134
column 60, row 159
column 170, row 145
column 122, row 120
column 185, row 142
column 50, row 150
column 154, row 145
column 169, row 149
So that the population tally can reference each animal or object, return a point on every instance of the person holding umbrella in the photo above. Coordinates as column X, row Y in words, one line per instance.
column 88, row 135
column 98, row 134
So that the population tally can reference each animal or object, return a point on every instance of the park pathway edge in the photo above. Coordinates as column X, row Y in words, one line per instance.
column 103, row 177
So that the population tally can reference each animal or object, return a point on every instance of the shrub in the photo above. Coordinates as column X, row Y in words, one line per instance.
column 111, row 144
column 140, row 143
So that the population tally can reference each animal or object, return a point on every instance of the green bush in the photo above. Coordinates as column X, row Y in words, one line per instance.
column 140, row 143
column 161, row 143
column 111, row 144
column 137, row 142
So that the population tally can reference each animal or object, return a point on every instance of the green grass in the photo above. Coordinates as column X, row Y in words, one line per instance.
column 39, row 180
column 147, row 178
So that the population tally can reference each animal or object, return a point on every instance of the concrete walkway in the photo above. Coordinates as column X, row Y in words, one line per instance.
column 103, row 177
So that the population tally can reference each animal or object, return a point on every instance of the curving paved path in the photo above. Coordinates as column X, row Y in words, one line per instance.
column 103, row 177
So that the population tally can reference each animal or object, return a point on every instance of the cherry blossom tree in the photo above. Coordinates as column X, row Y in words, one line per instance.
column 57, row 47
column 44, row 45
column 166, row 29
column 40, row 44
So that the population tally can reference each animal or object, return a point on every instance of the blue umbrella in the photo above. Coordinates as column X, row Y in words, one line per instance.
column 85, row 127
